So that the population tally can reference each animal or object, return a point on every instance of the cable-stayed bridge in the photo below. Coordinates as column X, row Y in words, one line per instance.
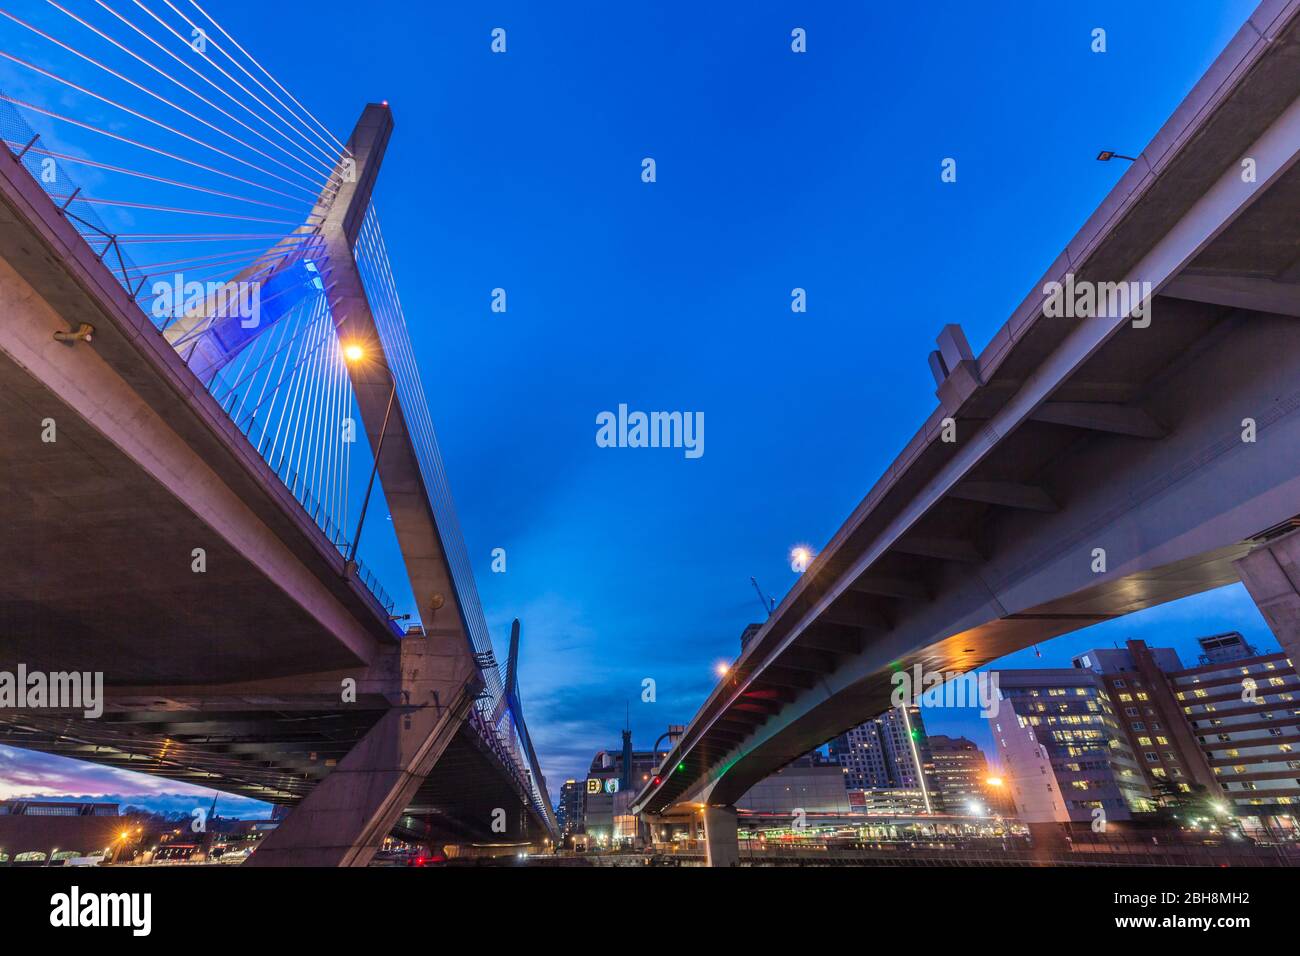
column 204, row 365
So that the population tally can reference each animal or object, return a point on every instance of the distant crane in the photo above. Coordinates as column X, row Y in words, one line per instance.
column 769, row 604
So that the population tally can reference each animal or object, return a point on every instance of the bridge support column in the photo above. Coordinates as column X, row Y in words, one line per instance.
column 654, row 827
column 721, row 845
column 346, row 818
column 1271, row 574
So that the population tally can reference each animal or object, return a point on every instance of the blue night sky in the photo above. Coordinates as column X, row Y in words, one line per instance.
column 775, row 171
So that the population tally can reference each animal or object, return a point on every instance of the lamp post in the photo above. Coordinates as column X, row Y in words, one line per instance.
column 353, row 354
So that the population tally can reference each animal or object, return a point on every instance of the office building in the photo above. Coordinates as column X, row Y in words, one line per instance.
column 568, row 812
column 958, row 780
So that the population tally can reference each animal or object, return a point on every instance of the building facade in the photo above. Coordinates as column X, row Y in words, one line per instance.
column 1216, row 739
column 890, row 752
column 1064, row 753
column 808, row 785
column 38, row 830
column 1244, row 716
column 612, row 783
column 959, row 774
column 568, row 813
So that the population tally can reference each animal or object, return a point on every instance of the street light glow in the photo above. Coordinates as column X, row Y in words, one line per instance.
column 353, row 352
column 722, row 669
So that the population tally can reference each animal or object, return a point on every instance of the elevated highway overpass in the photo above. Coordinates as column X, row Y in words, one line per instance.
column 268, row 669
column 1077, row 469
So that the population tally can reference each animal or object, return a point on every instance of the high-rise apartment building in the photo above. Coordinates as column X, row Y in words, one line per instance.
column 1244, row 715
column 1129, row 728
column 890, row 752
column 1064, row 753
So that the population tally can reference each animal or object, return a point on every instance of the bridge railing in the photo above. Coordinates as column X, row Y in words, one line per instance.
column 51, row 174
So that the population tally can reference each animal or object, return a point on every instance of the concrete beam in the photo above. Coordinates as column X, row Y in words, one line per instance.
column 380, row 679
column 856, row 610
column 759, row 707
column 759, row 702
column 893, row 587
column 1006, row 494
column 728, row 737
column 788, row 677
column 815, row 662
column 1100, row 417
column 837, row 641
column 941, row 549
column 757, row 692
column 1271, row 573
column 1237, row 292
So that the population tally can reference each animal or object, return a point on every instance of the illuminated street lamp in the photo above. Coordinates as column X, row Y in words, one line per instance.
column 354, row 353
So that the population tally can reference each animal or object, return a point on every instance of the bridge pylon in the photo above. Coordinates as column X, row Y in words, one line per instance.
column 346, row 818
